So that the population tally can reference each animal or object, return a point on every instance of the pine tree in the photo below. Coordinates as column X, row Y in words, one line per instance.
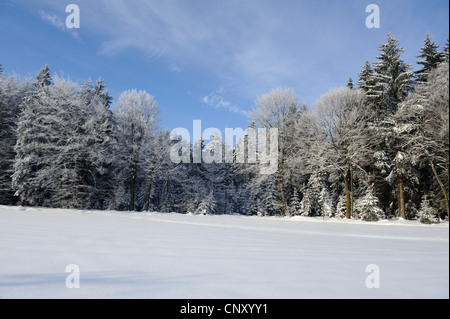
column 208, row 205
column 43, row 78
column 270, row 201
column 366, row 81
column 427, row 214
column 341, row 207
column 12, row 93
column 34, row 142
column 367, row 208
column 326, row 204
column 445, row 52
column 391, row 77
column 430, row 59
column 294, row 204
column 102, row 94
column 350, row 84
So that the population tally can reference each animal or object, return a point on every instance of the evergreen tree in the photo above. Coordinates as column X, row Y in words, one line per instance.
column 391, row 77
column 350, row 84
column 366, row 81
column 207, row 205
column 34, row 141
column 102, row 94
column 294, row 205
column 341, row 207
column 326, row 204
column 12, row 93
column 445, row 52
column 430, row 59
column 427, row 214
column 367, row 208
column 43, row 78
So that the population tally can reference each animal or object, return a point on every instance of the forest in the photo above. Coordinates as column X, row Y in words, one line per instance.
column 376, row 148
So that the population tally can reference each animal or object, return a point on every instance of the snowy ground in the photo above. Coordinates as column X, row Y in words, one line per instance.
column 184, row 256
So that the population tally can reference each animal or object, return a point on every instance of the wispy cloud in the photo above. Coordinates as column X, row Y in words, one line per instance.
column 174, row 68
column 57, row 22
column 216, row 100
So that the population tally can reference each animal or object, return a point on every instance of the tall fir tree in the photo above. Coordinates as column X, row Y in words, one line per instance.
column 445, row 52
column 392, row 78
column 366, row 81
column 350, row 84
column 31, row 155
column 12, row 93
column 430, row 59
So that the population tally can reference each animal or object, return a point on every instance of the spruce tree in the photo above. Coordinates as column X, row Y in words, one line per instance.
column 367, row 208
column 294, row 204
column 392, row 78
column 445, row 52
column 43, row 78
column 350, row 83
column 427, row 214
column 365, row 81
column 34, row 142
column 430, row 59
column 12, row 93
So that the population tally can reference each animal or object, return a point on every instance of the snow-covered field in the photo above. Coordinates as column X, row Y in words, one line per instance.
column 122, row 255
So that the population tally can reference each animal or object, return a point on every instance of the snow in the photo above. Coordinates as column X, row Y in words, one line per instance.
column 154, row 255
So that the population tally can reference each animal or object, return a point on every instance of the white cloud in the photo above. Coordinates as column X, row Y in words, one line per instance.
column 52, row 19
column 217, row 101
column 174, row 68
column 57, row 22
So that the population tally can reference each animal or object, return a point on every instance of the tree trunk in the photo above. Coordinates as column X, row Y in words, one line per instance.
column 132, row 190
column 282, row 192
column 149, row 192
column 442, row 188
column 374, row 180
column 352, row 202
column 283, row 198
column 401, row 198
column 348, row 209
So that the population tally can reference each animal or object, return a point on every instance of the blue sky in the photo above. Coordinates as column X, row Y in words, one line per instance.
column 208, row 59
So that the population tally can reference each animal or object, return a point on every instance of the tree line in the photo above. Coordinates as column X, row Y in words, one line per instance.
column 375, row 149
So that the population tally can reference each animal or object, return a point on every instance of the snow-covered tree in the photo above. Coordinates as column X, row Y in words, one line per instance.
column 350, row 84
column 137, row 122
column 340, row 115
column 445, row 52
column 64, row 146
column 430, row 59
column 326, row 203
column 341, row 207
column 427, row 214
column 423, row 127
column 294, row 204
column 12, row 92
column 279, row 110
column 367, row 208
column 366, row 81
column 207, row 205
column 33, row 139
column 391, row 77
